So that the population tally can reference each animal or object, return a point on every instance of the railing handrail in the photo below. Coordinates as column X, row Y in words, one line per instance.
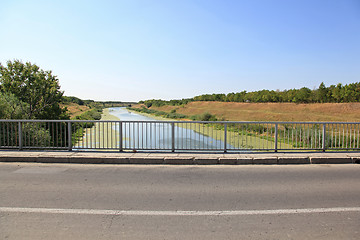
column 180, row 121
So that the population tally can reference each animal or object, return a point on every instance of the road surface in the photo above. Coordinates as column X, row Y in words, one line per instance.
column 78, row 201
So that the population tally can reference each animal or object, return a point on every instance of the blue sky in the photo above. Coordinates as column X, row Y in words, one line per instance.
column 131, row 50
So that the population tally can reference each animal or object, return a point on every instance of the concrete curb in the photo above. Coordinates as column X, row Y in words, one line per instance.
column 146, row 160
column 228, row 161
column 53, row 160
column 118, row 160
column 356, row 160
column 86, row 160
column 206, row 161
column 330, row 160
column 177, row 159
column 293, row 160
column 244, row 161
column 19, row 159
column 265, row 160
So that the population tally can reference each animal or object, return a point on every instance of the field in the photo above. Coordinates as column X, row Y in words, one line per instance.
column 230, row 111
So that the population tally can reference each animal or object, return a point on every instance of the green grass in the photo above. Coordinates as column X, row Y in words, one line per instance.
column 100, row 135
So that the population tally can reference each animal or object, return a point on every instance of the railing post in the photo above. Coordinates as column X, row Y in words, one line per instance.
column 20, row 137
column 225, row 137
column 324, row 138
column 69, row 137
column 173, row 137
column 120, row 137
column 276, row 137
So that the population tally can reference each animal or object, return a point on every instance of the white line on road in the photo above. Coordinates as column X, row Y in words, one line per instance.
column 177, row 213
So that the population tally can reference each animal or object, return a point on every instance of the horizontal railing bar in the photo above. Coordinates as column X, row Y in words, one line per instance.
column 158, row 121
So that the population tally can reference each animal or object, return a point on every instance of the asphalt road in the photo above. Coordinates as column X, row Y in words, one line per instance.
column 70, row 201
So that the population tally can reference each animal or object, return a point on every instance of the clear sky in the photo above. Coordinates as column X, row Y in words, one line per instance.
column 130, row 50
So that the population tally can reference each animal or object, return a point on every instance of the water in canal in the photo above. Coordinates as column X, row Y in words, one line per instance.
column 149, row 134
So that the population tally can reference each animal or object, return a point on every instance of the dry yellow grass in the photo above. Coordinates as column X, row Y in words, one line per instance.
column 347, row 112
column 75, row 109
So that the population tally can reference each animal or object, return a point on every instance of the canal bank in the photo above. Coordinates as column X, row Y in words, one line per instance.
column 178, row 158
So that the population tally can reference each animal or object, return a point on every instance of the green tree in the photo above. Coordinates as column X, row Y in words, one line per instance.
column 302, row 95
column 11, row 107
column 322, row 93
column 35, row 87
column 336, row 93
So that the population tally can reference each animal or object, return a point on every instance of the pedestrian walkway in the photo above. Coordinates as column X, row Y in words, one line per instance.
column 179, row 158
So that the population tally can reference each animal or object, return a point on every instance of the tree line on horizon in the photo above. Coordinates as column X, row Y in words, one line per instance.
column 333, row 94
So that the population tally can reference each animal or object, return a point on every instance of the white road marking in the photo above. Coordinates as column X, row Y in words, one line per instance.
column 177, row 213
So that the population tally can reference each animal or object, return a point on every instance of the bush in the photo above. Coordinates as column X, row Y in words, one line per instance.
column 207, row 117
column 94, row 114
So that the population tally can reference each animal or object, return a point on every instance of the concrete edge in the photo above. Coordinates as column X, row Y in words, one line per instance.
column 265, row 160
column 178, row 160
column 227, row 161
column 331, row 160
column 244, row 161
column 206, row 161
column 146, row 160
column 294, row 160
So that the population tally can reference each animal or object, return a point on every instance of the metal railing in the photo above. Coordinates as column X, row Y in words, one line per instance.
column 179, row 135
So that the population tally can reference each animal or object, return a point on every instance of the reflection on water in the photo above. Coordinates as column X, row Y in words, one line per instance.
column 124, row 115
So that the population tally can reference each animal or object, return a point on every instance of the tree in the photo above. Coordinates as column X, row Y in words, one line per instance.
column 302, row 95
column 322, row 93
column 35, row 87
column 336, row 93
column 11, row 107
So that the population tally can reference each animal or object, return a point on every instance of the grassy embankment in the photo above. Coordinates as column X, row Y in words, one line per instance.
column 101, row 135
column 262, row 135
column 83, row 133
